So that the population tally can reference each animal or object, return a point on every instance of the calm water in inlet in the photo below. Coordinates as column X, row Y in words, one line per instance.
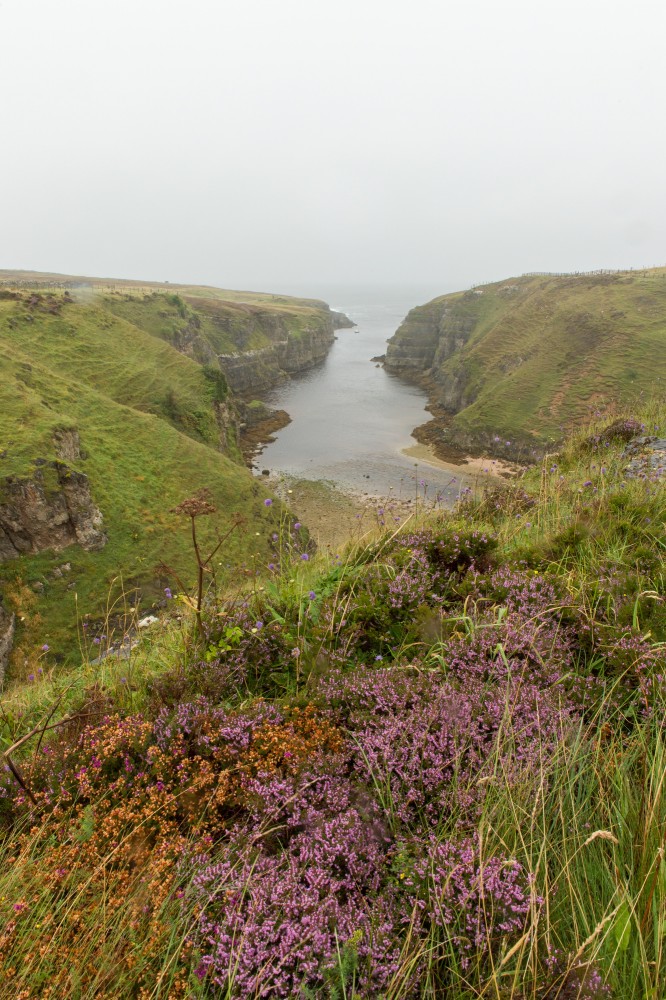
column 350, row 418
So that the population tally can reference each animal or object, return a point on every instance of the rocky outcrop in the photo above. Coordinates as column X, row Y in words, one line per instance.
column 67, row 444
column 342, row 322
column 7, row 626
column 431, row 334
column 50, row 510
column 260, row 424
column 226, row 415
column 290, row 352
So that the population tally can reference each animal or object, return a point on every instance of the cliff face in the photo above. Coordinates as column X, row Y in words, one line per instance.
column 289, row 351
column 49, row 511
column 432, row 333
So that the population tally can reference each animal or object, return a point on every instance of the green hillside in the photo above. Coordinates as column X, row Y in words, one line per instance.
column 525, row 359
column 430, row 766
column 92, row 384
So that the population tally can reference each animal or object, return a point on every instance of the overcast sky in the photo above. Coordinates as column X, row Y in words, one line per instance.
column 271, row 144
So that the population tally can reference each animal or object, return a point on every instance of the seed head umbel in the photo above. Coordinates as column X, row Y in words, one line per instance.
column 196, row 505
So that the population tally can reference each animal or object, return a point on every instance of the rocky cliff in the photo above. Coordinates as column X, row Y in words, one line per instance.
column 48, row 511
column 432, row 333
column 291, row 349
column 7, row 627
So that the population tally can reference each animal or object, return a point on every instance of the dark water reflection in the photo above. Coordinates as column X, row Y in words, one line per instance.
column 350, row 418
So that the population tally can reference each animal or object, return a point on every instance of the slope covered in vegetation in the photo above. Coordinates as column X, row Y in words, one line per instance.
column 429, row 766
column 114, row 406
column 511, row 366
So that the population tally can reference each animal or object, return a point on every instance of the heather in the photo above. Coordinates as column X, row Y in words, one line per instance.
column 428, row 765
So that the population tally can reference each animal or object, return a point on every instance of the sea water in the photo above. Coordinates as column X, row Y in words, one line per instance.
column 350, row 418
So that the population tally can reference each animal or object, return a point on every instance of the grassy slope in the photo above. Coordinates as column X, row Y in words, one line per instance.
column 545, row 350
column 587, row 819
column 89, row 346
column 225, row 325
column 146, row 423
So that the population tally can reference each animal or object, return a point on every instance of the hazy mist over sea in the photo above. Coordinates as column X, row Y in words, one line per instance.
column 268, row 146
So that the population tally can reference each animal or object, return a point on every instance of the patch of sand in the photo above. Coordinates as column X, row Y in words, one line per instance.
column 468, row 466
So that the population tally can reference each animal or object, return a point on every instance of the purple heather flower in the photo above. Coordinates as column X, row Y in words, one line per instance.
column 258, row 625
column 45, row 647
column 271, row 566
column 297, row 526
column 97, row 641
column 296, row 652
column 268, row 502
column 31, row 677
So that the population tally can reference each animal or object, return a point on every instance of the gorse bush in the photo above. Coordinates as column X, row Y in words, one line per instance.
column 430, row 767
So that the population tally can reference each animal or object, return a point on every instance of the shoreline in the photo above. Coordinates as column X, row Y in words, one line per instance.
column 468, row 465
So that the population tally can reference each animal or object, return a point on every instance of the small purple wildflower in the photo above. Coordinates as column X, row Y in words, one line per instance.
column 268, row 502
column 45, row 647
column 167, row 593
column 305, row 557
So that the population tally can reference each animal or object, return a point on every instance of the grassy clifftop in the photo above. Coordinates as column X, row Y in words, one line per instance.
column 525, row 359
column 119, row 391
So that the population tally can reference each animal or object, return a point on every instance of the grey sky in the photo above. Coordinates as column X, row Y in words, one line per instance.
column 274, row 143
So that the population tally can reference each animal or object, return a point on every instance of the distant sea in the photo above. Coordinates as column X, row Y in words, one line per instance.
column 350, row 418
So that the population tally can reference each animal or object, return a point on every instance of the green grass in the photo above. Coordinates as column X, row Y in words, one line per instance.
column 145, row 414
column 541, row 353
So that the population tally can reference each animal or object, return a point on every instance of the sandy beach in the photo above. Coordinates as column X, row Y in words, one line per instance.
column 468, row 466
